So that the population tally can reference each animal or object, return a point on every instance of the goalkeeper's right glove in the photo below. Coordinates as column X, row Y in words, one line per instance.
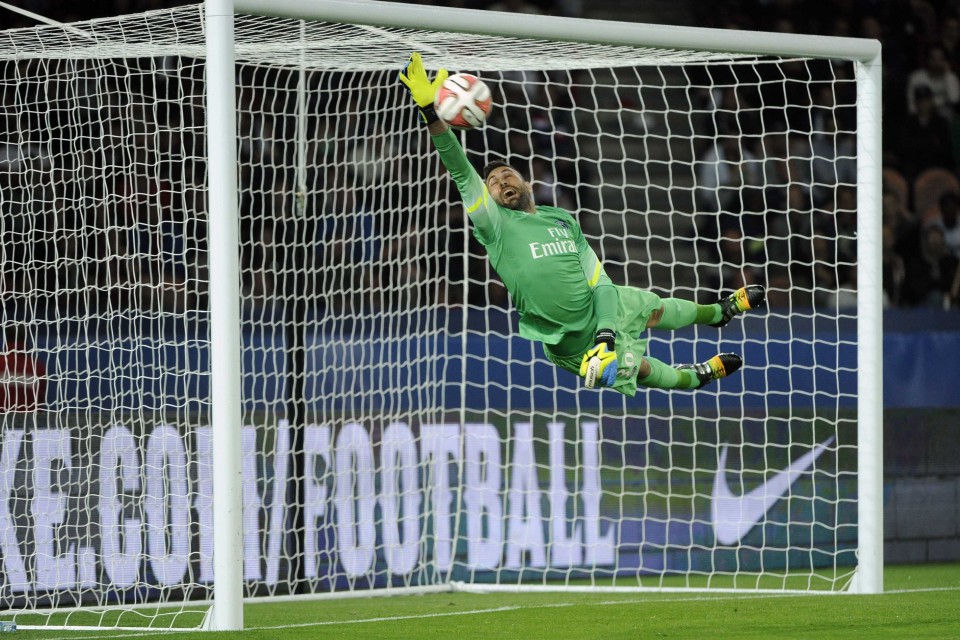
column 600, row 362
column 422, row 90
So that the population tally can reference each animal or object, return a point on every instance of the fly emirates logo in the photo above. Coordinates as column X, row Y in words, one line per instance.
column 559, row 244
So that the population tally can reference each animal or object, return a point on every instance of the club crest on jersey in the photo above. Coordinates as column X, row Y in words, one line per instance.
column 562, row 224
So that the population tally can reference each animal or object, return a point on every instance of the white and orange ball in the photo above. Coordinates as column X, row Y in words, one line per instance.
column 463, row 101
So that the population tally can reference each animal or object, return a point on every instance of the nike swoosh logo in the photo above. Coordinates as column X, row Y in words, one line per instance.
column 734, row 516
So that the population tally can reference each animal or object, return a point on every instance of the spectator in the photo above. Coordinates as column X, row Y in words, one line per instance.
column 846, row 213
column 931, row 273
column 950, row 40
column 833, row 161
column 738, row 262
column 777, row 166
column 729, row 181
column 893, row 269
column 925, row 137
column 940, row 78
column 23, row 385
column 902, row 222
column 954, row 299
column 948, row 219
column 826, row 270
column 845, row 295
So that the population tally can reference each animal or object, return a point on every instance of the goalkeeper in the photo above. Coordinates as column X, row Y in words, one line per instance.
column 587, row 325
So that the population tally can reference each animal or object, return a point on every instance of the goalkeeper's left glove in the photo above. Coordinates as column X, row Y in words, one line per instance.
column 600, row 362
column 422, row 90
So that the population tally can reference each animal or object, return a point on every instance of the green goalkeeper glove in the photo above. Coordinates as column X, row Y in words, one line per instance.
column 601, row 361
column 422, row 90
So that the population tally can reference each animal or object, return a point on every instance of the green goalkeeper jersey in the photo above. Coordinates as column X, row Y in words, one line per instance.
column 555, row 279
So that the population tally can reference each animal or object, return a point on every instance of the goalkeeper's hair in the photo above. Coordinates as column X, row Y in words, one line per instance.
column 495, row 164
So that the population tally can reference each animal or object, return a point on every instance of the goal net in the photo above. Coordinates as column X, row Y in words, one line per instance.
column 396, row 432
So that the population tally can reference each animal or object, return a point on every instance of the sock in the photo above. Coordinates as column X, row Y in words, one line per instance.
column 678, row 313
column 663, row 376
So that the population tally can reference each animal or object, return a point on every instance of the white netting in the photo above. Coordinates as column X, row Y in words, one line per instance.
column 321, row 45
column 436, row 444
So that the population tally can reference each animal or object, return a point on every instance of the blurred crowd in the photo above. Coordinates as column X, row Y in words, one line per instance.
column 121, row 237
column 921, row 152
column 921, row 133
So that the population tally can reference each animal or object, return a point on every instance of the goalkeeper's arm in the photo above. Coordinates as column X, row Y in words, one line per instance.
column 599, row 364
column 424, row 91
column 472, row 189
column 436, row 127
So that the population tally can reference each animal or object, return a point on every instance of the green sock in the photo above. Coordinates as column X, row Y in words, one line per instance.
column 663, row 376
column 678, row 313
column 711, row 312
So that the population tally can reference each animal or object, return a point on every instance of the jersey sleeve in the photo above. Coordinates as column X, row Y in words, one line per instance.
column 605, row 297
column 481, row 209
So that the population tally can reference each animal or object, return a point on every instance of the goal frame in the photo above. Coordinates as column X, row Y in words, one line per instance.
column 224, row 262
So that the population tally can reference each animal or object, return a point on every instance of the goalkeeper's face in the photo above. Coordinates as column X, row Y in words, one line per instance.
column 509, row 190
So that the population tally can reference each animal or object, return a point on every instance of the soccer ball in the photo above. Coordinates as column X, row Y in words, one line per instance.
column 463, row 101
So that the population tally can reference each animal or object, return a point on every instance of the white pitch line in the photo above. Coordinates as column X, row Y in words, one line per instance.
column 557, row 605
column 602, row 603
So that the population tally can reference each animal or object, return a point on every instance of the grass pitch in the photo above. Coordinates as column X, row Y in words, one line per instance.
column 921, row 601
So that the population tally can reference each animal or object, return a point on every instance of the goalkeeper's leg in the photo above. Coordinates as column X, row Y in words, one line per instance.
column 657, row 375
column 677, row 313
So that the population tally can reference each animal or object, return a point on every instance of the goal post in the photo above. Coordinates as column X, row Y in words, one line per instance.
column 865, row 54
column 278, row 365
column 225, row 341
column 870, row 326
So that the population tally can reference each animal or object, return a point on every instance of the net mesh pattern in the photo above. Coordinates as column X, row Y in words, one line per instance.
column 397, row 431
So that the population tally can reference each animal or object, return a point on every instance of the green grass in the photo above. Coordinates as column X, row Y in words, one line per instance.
column 921, row 601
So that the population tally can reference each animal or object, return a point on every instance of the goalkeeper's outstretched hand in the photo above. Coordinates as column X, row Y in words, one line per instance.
column 422, row 89
column 600, row 363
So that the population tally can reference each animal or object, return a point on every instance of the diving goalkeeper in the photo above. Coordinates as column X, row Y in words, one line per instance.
column 588, row 325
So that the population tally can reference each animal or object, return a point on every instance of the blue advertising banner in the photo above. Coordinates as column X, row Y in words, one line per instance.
column 797, row 361
column 122, row 505
column 109, row 492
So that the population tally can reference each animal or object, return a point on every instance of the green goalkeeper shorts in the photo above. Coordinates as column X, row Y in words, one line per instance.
column 633, row 312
